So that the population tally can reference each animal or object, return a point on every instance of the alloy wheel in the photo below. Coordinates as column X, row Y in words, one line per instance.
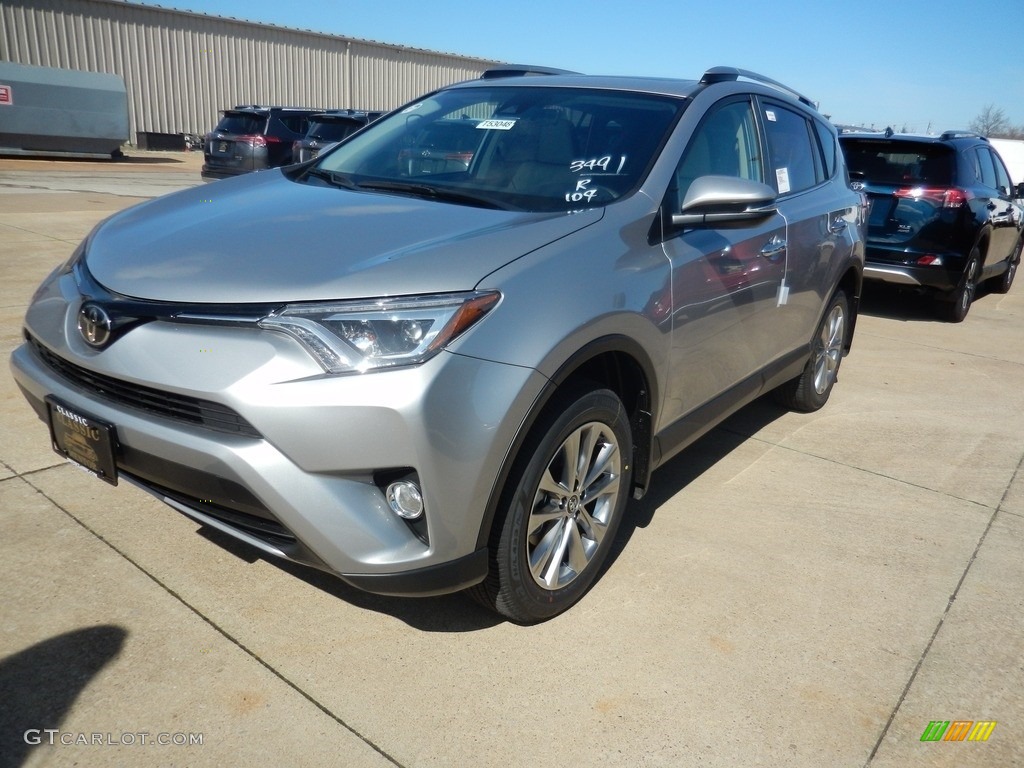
column 829, row 350
column 969, row 286
column 573, row 505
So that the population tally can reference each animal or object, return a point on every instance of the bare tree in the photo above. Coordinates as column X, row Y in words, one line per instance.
column 991, row 122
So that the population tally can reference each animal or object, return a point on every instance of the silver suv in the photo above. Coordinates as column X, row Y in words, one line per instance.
column 425, row 377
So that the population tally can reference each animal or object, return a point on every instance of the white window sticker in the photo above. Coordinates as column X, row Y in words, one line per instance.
column 496, row 125
column 783, row 297
column 769, row 115
column 412, row 108
column 782, row 178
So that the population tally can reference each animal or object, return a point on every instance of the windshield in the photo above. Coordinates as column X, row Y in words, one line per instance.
column 522, row 148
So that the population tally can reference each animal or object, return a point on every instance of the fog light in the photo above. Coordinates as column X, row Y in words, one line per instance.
column 930, row 261
column 405, row 499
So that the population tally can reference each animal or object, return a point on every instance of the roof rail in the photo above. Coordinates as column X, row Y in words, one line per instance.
column 522, row 70
column 947, row 135
column 723, row 74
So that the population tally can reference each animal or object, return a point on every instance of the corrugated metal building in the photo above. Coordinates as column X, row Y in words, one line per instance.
column 182, row 68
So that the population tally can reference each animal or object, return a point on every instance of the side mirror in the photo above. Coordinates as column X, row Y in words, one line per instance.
column 1018, row 191
column 723, row 200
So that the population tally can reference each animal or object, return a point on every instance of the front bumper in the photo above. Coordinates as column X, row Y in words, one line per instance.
column 304, row 483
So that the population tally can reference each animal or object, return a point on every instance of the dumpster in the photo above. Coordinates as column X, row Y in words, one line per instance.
column 49, row 111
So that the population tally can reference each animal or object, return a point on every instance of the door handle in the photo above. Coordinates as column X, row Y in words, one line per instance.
column 774, row 249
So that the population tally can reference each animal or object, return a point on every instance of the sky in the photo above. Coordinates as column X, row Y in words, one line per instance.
column 915, row 65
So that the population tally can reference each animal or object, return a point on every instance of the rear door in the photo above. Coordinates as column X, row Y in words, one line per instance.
column 1000, row 208
column 802, row 159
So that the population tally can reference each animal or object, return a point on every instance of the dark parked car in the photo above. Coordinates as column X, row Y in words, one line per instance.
column 944, row 215
column 441, row 146
column 427, row 374
column 328, row 128
column 252, row 138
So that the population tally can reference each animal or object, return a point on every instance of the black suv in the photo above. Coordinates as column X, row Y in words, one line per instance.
column 328, row 128
column 252, row 138
column 944, row 214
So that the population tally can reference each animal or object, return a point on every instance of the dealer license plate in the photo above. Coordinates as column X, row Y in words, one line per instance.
column 84, row 440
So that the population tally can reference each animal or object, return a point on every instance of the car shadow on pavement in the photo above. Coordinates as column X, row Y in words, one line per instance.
column 459, row 613
column 59, row 162
column 445, row 613
column 691, row 463
column 40, row 684
column 906, row 304
column 897, row 303
column 153, row 159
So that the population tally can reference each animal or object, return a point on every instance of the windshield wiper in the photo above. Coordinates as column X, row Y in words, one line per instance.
column 338, row 179
column 432, row 193
column 334, row 178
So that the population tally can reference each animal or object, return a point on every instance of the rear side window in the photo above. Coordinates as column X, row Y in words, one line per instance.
column 991, row 171
column 1005, row 186
column 791, row 154
column 829, row 150
column 899, row 162
column 988, row 173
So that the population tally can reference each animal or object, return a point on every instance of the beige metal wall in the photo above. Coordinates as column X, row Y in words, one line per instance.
column 181, row 68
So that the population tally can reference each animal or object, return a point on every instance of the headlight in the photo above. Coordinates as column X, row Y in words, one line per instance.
column 62, row 269
column 359, row 336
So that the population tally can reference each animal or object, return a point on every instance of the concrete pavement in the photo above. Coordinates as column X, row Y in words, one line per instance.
column 796, row 590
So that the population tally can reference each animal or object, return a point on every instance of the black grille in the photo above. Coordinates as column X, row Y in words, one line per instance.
column 190, row 410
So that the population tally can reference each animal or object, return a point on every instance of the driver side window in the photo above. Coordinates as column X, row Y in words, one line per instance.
column 725, row 144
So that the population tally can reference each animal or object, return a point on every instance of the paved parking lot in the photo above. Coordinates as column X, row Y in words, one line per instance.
column 796, row 590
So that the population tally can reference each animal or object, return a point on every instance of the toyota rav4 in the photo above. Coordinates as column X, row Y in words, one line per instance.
column 426, row 377
column 944, row 214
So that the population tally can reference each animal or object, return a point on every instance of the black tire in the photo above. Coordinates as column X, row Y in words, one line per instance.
column 556, row 524
column 955, row 308
column 810, row 390
column 1002, row 283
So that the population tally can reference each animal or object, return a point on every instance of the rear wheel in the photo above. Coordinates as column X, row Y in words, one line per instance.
column 810, row 390
column 561, row 508
column 955, row 308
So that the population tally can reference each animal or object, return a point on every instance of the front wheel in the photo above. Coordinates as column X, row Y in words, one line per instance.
column 810, row 390
column 562, row 506
column 1002, row 283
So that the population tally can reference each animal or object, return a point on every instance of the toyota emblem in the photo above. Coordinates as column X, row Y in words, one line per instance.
column 94, row 325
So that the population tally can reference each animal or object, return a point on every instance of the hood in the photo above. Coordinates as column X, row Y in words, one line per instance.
column 262, row 238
